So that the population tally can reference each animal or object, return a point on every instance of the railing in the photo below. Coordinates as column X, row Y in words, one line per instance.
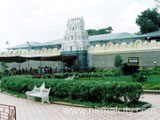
column 7, row 112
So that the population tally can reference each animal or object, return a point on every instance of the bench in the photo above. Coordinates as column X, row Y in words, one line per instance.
column 41, row 92
column 71, row 78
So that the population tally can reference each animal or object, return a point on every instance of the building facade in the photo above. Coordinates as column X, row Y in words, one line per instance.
column 97, row 51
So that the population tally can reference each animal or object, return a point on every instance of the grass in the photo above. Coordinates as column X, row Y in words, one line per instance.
column 152, row 80
column 120, row 78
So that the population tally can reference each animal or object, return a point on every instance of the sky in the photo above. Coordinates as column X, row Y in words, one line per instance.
column 45, row 20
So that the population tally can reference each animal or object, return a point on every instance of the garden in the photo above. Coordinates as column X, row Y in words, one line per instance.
column 119, row 87
column 86, row 92
column 109, row 88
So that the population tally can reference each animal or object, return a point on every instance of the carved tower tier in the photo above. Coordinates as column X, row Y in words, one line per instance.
column 76, row 37
column 76, row 41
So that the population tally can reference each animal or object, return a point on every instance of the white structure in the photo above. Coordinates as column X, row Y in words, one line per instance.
column 41, row 92
column 76, row 37
column 96, row 51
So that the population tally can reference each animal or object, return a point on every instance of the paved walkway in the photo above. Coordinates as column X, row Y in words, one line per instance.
column 29, row 110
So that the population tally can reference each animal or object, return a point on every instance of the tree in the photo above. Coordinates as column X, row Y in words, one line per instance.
column 100, row 31
column 4, row 66
column 118, row 61
column 148, row 21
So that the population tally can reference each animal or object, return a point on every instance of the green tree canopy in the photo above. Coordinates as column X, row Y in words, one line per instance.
column 118, row 61
column 148, row 21
column 99, row 31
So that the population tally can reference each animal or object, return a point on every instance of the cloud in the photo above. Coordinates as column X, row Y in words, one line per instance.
column 126, row 21
column 45, row 20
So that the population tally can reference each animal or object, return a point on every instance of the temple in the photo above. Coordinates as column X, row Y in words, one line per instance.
column 77, row 49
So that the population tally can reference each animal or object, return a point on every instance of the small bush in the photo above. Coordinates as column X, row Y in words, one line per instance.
column 139, row 77
column 92, row 91
column 128, row 70
column 118, row 61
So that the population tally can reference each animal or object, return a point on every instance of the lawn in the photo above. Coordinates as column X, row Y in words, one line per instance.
column 152, row 80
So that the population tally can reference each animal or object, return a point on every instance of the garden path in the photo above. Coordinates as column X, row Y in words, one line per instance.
column 30, row 110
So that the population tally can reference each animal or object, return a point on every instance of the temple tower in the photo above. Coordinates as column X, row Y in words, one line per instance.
column 76, row 41
column 76, row 37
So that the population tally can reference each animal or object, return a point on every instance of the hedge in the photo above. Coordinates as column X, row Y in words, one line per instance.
column 150, row 71
column 109, row 73
column 151, row 87
column 92, row 91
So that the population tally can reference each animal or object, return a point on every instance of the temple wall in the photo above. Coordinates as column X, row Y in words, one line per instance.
column 102, row 57
column 32, row 63
column 32, row 53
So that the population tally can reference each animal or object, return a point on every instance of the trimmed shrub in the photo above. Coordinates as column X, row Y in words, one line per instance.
column 150, row 71
column 92, row 91
column 108, row 73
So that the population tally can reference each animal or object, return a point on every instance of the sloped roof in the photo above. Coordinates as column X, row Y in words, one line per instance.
column 53, row 42
column 103, row 37
column 151, row 34
column 25, row 45
column 36, row 44
column 111, row 36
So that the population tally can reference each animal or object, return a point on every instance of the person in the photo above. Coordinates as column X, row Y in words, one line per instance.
column 26, row 71
column 65, row 69
column 23, row 71
column 39, row 70
column 50, row 70
column 15, row 71
column 56, row 70
column 6, row 71
column 43, row 70
column 72, row 69
column 31, row 71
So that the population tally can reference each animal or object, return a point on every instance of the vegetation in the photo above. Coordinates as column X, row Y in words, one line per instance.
column 139, row 77
column 151, row 87
column 128, row 70
column 81, row 90
column 148, row 21
column 4, row 66
column 118, row 61
column 150, row 71
column 108, row 73
column 99, row 31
